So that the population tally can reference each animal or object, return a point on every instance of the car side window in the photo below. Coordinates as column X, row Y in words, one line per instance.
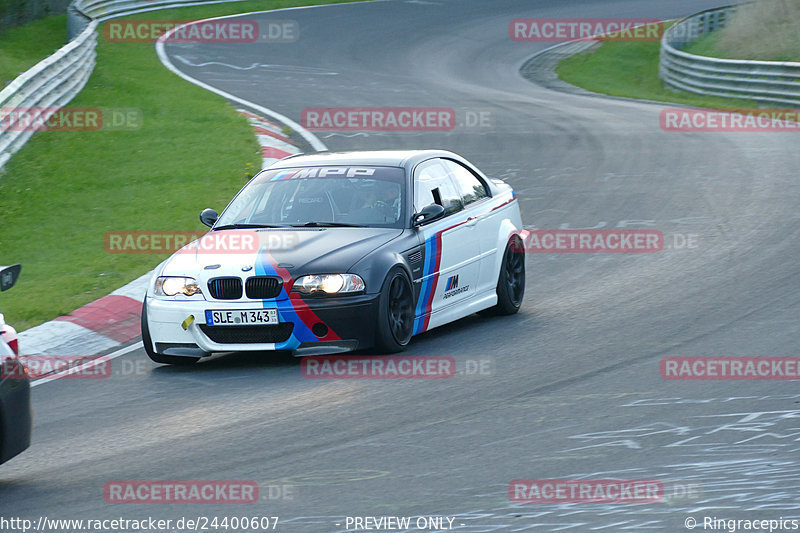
column 432, row 184
column 468, row 185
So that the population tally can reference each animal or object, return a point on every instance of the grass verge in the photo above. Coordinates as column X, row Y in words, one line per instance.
column 24, row 46
column 630, row 69
column 707, row 46
column 65, row 189
column 762, row 30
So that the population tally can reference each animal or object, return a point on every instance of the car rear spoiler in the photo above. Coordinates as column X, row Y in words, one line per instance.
column 8, row 276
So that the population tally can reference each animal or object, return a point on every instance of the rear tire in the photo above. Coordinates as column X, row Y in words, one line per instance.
column 511, row 280
column 395, row 314
column 176, row 360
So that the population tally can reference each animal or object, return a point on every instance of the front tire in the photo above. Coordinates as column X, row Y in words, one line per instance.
column 176, row 360
column 511, row 281
column 395, row 314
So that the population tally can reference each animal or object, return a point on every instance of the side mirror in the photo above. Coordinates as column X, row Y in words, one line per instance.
column 8, row 276
column 429, row 213
column 208, row 217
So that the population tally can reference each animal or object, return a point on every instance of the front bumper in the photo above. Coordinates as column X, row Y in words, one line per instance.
column 306, row 327
column 16, row 415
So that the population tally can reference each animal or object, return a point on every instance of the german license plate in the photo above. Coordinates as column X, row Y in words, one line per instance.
column 241, row 317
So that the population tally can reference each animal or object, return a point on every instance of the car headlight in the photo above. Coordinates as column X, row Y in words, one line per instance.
column 172, row 285
column 323, row 284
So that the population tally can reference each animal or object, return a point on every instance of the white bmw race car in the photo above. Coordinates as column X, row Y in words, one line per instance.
column 332, row 252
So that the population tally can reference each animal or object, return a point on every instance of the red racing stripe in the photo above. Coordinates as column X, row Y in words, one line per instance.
column 305, row 313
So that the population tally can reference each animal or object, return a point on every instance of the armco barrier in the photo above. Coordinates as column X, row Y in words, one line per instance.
column 773, row 82
column 56, row 80
column 50, row 84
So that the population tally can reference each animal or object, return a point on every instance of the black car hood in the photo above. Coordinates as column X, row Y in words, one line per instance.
column 299, row 251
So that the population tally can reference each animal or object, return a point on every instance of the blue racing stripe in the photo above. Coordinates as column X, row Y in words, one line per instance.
column 286, row 312
column 427, row 283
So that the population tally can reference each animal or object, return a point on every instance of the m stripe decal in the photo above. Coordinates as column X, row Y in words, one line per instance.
column 433, row 259
column 290, row 305
column 430, row 271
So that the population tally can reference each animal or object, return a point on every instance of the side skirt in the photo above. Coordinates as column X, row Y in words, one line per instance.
column 462, row 309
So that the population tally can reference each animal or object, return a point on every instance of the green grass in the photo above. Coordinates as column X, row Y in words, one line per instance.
column 706, row 46
column 630, row 69
column 762, row 30
column 64, row 190
column 24, row 46
column 714, row 45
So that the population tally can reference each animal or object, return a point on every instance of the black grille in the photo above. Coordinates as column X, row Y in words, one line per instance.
column 248, row 334
column 225, row 288
column 415, row 257
column 262, row 287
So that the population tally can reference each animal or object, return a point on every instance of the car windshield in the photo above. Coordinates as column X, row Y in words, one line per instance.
column 321, row 196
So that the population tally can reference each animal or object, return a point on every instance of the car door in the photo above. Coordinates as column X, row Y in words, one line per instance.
column 476, row 198
column 451, row 255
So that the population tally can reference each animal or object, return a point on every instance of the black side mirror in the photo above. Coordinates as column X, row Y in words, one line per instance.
column 208, row 217
column 8, row 276
column 429, row 213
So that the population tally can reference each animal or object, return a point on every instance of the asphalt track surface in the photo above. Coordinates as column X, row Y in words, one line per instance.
column 575, row 390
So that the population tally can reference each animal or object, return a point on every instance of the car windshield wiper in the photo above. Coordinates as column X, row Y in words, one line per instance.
column 243, row 225
column 314, row 224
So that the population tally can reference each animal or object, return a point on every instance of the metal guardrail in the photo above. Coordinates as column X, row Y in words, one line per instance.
column 773, row 82
column 49, row 85
column 55, row 81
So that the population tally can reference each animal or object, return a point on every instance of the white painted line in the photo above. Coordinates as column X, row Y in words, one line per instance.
column 89, row 364
column 312, row 139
